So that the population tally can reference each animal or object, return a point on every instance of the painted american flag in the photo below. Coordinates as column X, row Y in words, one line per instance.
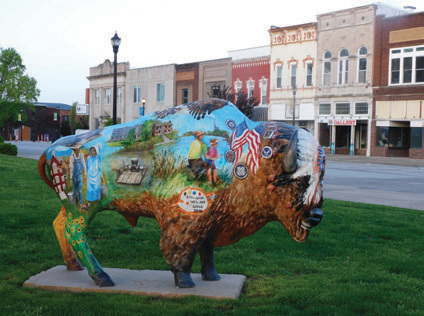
column 253, row 139
column 238, row 139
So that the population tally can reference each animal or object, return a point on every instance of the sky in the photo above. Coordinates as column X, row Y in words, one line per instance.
column 60, row 40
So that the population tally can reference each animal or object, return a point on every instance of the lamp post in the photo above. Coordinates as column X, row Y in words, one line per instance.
column 21, row 119
column 294, row 104
column 116, row 41
column 144, row 103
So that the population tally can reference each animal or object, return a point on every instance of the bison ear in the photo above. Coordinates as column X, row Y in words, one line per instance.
column 290, row 154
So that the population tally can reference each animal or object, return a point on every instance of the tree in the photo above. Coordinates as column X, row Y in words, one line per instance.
column 18, row 91
column 73, row 119
column 242, row 100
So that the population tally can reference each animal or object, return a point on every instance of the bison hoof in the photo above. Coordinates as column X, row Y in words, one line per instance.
column 73, row 265
column 102, row 279
column 183, row 280
column 211, row 276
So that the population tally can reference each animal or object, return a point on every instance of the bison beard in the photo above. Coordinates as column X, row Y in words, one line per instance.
column 237, row 211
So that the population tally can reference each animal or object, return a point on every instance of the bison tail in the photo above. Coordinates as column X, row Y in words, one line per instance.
column 42, row 162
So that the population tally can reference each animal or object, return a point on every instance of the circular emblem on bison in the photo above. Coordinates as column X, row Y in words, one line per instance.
column 231, row 124
column 241, row 171
column 230, row 156
column 267, row 152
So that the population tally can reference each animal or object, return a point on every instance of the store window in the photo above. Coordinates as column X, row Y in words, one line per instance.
column 417, row 137
column 393, row 137
column 324, row 135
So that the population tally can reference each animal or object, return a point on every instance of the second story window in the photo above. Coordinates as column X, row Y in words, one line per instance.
column 407, row 65
column 160, row 90
column 362, row 65
column 264, row 86
column 250, row 88
column 327, row 69
column 137, row 94
column 185, row 96
column 361, row 108
column 107, row 96
column 97, row 97
column 293, row 70
column 309, row 74
column 215, row 90
column 278, row 76
column 325, row 108
column 342, row 108
column 343, row 66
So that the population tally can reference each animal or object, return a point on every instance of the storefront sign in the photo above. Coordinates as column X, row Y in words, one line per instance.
column 343, row 122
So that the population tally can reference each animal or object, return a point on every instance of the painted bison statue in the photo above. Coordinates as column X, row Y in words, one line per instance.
column 205, row 172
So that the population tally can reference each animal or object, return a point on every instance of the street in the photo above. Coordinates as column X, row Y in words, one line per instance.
column 366, row 179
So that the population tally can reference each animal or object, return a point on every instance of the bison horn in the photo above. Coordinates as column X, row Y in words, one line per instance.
column 290, row 155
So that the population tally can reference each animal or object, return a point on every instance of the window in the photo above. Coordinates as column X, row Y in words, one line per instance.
column 215, row 91
column 264, row 86
column 160, row 92
column 407, row 65
column 97, row 97
column 250, row 88
column 107, row 96
column 185, row 96
column 325, row 108
column 342, row 108
column 417, row 137
column 343, row 66
column 327, row 68
column 119, row 95
column 293, row 75
column 278, row 76
column 309, row 74
column 362, row 65
column 137, row 94
column 393, row 137
column 238, row 86
column 361, row 108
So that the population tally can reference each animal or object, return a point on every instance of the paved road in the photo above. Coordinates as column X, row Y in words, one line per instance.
column 376, row 180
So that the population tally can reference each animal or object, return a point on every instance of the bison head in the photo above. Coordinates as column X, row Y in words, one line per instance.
column 296, row 187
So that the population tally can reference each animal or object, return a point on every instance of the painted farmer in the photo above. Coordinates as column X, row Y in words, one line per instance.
column 77, row 168
column 197, row 151
column 94, row 175
column 212, row 157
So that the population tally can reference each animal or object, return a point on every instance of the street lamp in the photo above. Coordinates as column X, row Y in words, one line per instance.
column 21, row 119
column 294, row 103
column 116, row 41
column 144, row 103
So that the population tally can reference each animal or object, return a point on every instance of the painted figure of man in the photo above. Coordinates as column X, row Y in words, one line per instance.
column 77, row 168
column 94, row 175
column 197, row 151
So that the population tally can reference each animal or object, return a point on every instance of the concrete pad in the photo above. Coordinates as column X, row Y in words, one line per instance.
column 138, row 282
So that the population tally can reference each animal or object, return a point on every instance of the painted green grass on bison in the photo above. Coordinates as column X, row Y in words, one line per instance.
column 363, row 259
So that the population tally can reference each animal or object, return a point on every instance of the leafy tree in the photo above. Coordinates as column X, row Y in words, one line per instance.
column 73, row 119
column 242, row 100
column 131, row 135
column 18, row 91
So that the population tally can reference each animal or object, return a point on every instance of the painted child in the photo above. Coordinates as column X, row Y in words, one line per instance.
column 212, row 157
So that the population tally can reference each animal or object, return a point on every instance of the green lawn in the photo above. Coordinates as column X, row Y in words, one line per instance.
column 362, row 259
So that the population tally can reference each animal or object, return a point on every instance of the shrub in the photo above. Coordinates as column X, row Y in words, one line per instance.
column 1, row 140
column 8, row 149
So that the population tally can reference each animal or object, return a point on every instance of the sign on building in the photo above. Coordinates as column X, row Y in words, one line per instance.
column 82, row 109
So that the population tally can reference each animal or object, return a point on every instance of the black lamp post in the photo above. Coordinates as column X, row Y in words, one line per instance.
column 294, row 104
column 21, row 119
column 116, row 41
column 144, row 103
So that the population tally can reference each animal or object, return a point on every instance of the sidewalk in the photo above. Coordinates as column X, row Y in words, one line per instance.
column 399, row 161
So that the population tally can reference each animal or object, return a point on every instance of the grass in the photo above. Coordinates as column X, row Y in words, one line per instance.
column 362, row 259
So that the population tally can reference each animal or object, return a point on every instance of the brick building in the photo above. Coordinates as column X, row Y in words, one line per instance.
column 251, row 73
column 398, row 85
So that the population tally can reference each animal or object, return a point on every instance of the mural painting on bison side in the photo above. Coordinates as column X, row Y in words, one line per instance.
column 204, row 171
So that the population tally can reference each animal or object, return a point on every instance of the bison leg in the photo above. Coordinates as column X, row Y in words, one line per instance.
column 179, row 255
column 207, row 261
column 69, row 257
column 75, row 234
